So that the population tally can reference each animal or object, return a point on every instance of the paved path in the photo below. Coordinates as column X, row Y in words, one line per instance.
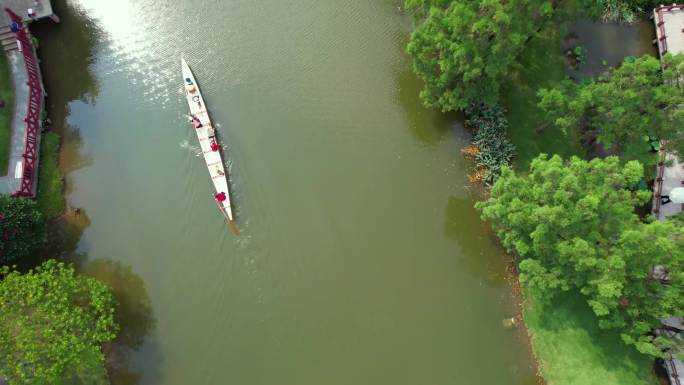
column 669, row 21
column 669, row 25
column 10, row 183
column 42, row 8
column 672, row 176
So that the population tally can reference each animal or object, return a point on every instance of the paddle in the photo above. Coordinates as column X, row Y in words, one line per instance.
column 232, row 225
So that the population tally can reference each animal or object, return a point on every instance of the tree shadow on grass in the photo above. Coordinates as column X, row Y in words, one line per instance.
column 572, row 348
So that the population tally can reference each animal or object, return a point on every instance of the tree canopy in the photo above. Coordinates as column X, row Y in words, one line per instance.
column 630, row 107
column 574, row 227
column 653, row 277
column 52, row 325
column 462, row 49
column 22, row 228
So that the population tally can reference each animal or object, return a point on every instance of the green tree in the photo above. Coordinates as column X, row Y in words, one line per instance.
column 421, row 8
column 463, row 49
column 561, row 217
column 630, row 107
column 653, row 278
column 52, row 325
column 574, row 227
column 22, row 228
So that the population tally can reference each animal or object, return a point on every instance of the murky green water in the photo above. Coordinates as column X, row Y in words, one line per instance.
column 607, row 44
column 360, row 259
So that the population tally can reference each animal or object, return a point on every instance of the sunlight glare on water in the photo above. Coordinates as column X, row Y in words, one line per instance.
column 360, row 260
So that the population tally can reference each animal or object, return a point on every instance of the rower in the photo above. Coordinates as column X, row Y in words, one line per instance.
column 220, row 197
column 214, row 146
column 195, row 122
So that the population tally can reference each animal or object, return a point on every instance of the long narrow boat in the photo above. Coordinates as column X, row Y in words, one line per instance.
column 208, row 143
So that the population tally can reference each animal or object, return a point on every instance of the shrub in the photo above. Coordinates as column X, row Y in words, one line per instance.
column 494, row 150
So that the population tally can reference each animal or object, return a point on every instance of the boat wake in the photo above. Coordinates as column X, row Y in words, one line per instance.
column 195, row 150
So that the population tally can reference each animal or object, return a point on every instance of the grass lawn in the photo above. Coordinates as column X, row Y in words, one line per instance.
column 572, row 350
column 7, row 95
column 542, row 66
column 50, row 194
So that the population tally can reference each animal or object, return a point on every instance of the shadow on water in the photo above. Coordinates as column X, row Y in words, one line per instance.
column 134, row 316
column 67, row 52
column 67, row 46
column 65, row 234
column 464, row 226
column 428, row 126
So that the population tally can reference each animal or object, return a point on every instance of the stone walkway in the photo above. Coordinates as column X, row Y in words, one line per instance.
column 42, row 8
column 10, row 182
column 669, row 23
column 672, row 176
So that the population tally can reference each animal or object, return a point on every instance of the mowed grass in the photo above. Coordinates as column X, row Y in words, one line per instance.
column 50, row 195
column 6, row 95
column 542, row 66
column 572, row 350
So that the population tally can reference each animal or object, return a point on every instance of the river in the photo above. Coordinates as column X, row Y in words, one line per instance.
column 360, row 258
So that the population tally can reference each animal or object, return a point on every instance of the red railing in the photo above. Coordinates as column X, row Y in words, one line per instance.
column 673, row 369
column 661, row 27
column 662, row 41
column 35, row 99
column 659, row 179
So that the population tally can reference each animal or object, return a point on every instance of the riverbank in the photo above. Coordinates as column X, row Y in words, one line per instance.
column 571, row 349
column 568, row 348
column 6, row 111
column 566, row 341
column 50, row 195
column 361, row 289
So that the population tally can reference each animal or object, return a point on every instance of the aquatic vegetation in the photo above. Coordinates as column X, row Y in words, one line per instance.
column 494, row 151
